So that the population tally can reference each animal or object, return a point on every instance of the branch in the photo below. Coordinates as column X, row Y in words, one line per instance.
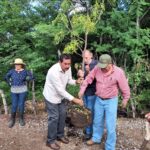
column 80, row 49
column 144, row 14
column 81, row 39
column 69, row 22
column 86, row 38
column 79, row 54
column 4, row 102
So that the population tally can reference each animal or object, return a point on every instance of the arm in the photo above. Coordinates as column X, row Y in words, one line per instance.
column 88, row 80
column 29, row 76
column 124, row 87
column 70, row 80
column 74, row 82
column 8, row 76
column 55, row 80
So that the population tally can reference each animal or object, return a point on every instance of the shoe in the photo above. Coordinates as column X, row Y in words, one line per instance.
column 53, row 146
column 21, row 119
column 91, row 142
column 21, row 122
column 63, row 140
column 12, row 120
column 87, row 137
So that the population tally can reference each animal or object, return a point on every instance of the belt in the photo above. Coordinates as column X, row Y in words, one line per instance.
column 104, row 98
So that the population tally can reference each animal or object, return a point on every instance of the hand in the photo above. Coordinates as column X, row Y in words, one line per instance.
column 80, row 95
column 27, row 78
column 78, row 101
column 79, row 80
column 80, row 73
column 124, row 104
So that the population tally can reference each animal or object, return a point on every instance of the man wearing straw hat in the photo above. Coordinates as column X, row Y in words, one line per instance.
column 17, row 78
column 109, row 79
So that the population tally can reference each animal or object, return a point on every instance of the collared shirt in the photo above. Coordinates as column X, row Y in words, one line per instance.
column 107, row 85
column 56, row 82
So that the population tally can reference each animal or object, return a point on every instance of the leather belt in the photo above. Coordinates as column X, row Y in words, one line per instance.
column 104, row 98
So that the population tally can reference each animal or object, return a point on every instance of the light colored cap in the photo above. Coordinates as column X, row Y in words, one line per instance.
column 104, row 61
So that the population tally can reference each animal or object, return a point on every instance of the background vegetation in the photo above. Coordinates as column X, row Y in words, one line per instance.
column 37, row 31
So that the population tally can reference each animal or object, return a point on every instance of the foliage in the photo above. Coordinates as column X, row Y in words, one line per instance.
column 37, row 32
column 70, row 29
column 73, row 90
column 17, row 21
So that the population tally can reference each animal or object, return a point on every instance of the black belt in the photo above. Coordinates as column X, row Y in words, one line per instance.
column 104, row 98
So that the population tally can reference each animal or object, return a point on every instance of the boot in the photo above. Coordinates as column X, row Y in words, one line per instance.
column 12, row 120
column 21, row 119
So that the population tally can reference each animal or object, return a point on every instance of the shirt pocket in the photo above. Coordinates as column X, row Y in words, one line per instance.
column 110, row 81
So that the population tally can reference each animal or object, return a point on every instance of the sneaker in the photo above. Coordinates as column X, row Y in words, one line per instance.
column 91, row 142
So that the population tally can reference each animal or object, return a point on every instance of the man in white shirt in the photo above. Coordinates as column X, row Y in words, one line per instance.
column 58, row 76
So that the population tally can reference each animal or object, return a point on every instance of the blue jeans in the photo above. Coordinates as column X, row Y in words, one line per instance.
column 18, row 100
column 105, row 111
column 89, row 102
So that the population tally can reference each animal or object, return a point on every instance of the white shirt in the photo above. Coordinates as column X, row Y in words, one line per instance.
column 55, row 85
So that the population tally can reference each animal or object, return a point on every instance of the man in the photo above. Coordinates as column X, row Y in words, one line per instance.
column 109, row 78
column 58, row 76
column 89, row 94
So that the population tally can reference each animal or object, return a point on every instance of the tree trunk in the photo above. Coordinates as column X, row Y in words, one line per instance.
column 33, row 96
column 147, row 136
column 4, row 102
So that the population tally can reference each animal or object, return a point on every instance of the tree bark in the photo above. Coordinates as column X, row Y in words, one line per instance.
column 4, row 102
column 33, row 96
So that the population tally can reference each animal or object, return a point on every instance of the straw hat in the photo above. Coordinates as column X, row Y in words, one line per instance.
column 19, row 61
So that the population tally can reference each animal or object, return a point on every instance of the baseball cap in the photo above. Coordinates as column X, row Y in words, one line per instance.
column 104, row 61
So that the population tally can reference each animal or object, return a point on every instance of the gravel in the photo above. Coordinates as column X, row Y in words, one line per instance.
column 130, row 135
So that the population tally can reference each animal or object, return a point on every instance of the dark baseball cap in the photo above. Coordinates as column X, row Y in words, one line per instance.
column 104, row 61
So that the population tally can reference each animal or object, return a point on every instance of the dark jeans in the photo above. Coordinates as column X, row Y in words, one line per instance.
column 56, row 120
column 18, row 100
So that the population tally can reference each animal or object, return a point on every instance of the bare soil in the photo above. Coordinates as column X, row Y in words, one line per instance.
column 130, row 135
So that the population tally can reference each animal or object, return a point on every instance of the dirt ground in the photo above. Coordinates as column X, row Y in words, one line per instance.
column 130, row 135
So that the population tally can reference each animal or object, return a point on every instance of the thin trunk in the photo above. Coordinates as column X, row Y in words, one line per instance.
column 137, row 21
column 132, row 102
column 85, row 47
column 4, row 102
column 125, row 63
column 147, row 136
column 86, row 40
column 33, row 96
column 137, row 26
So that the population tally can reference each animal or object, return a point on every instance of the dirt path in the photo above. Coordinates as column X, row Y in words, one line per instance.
column 130, row 135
